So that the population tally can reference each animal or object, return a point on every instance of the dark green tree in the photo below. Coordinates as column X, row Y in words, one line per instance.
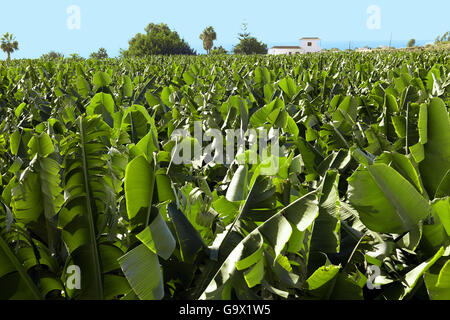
column 158, row 40
column 9, row 44
column 411, row 43
column 52, row 55
column 244, row 34
column 249, row 45
column 100, row 54
column 218, row 50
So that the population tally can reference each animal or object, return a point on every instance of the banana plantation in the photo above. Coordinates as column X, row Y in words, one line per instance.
column 94, row 204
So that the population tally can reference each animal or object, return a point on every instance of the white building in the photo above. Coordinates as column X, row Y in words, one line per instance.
column 363, row 50
column 285, row 50
column 306, row 45
column 310, row 44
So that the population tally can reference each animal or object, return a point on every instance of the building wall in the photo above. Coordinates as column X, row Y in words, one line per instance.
column 315, row 45
column 363, row 50
column 277, row 51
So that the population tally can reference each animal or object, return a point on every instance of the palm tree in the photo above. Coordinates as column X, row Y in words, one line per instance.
column 208, row 36
column 9, row 44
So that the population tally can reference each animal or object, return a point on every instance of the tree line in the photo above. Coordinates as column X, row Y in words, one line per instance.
column 158, row 39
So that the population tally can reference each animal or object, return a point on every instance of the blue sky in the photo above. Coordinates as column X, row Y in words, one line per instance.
column 41, row 26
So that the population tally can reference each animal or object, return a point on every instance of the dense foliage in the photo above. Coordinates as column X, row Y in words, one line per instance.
column 157, row 40
column 218, row 50
column 247, row 44
column 250, row 45
column 52, row 55
column 100, row 54
column 87, row 178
